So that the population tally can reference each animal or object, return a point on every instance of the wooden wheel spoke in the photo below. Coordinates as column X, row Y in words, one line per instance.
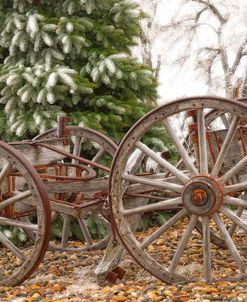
column 229, row 243
column 19, row 224
column 213, row 114
column 98, row 155
column 77, row 148
column 182, row 151
column 155, row 183
column 18, row 197
column 206, row 248
column 202, row 142
column 104, row 220
column 19, row 209
column 85, row 231
column 6, row 168
column 235, row 218
column 30, row 232
column 9, row 245
column 76, row 152
column 134, row 161
column 242, row 186
column 162, row 162
column 173, row 220
column 235, row 201
column 233, row 227
column 225, row 147
column 193, row 187
column 183, row 242
column 233, row 171
column 161, row 205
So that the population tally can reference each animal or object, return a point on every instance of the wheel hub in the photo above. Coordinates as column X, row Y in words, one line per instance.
column 202, row 195
column 199, row 197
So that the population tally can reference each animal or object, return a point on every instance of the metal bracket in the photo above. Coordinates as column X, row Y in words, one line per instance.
column 62, row 130
column 116, row 273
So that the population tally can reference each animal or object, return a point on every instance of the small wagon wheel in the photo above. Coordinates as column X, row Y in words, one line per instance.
column 23, row 195
column 175, row 251
column 102, row 151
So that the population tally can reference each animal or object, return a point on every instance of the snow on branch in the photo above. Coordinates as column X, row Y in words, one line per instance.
column 208, row 35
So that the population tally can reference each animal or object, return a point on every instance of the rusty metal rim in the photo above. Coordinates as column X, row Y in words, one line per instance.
column 85, row 132
column 71, row 156
column 127, row 146
column 45, row 207
column 212, row 112
column 83, row 129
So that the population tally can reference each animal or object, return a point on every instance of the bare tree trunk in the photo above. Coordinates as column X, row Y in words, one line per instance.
column 244, row 86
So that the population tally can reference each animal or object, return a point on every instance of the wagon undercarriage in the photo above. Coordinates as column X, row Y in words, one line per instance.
column 199, row 180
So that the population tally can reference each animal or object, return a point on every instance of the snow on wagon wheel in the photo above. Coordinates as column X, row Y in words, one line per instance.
column 24, row 207
column 201, row 188
column 98, row 148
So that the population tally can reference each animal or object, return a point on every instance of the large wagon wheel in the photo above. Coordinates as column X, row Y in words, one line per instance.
column 201, row 190
column 22, row 195
column 102, row 150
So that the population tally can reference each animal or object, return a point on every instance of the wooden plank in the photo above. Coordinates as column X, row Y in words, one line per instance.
column 37, row 155
column 65, row 232
column 64, row 208
column 85, row 231
column 93, row 185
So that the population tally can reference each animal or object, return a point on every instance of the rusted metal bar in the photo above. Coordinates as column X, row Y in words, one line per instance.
column 90, row 172
column 69, row 155
column 62, row 130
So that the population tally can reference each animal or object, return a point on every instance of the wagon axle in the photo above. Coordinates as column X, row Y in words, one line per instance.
column 202, row 195
column 199, row 197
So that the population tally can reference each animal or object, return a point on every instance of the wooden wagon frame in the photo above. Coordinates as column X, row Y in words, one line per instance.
column 204, row 189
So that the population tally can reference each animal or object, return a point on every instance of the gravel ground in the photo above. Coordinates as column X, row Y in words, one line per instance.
column 70, row 277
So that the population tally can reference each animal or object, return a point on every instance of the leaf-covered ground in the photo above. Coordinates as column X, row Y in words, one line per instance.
column 70, row 277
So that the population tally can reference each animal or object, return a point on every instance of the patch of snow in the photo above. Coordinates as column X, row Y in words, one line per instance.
column 84, row 279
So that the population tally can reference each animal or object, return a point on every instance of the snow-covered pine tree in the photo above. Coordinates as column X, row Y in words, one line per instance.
column 70, row 57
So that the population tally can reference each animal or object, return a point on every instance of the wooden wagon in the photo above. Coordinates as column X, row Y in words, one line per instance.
column 202, row 186
column 45, row 178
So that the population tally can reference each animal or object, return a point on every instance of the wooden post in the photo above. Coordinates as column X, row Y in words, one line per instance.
column 115, row 251
column 62, row 130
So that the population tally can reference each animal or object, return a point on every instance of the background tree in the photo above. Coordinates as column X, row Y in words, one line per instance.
column 211, row 35
column 73, row 57
column 150, row 34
